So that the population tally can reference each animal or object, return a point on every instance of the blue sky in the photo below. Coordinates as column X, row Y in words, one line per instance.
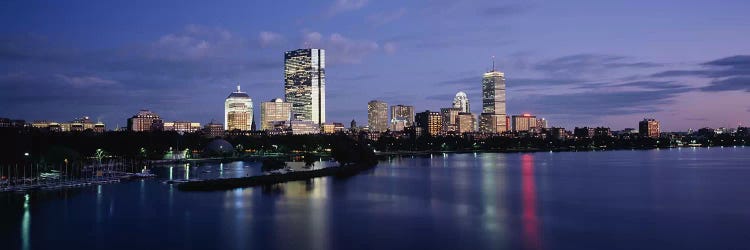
column 576, row 63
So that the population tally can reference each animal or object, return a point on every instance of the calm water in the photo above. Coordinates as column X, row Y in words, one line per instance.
column 658, row 199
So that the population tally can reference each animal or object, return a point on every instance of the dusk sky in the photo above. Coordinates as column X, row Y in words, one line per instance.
column 576, row 63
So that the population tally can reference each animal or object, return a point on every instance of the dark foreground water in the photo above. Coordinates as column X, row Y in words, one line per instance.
column 658, row 199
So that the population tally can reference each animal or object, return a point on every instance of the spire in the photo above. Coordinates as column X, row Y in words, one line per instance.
column 238, row 87
column 493, row 63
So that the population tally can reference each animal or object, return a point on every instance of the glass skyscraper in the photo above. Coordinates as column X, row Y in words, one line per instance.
column 377, row 116
column 304, row 84
column 238, row 111
column 492, row 119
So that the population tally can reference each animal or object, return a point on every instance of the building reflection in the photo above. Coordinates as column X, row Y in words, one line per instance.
column 26, row 224
column 531, row 235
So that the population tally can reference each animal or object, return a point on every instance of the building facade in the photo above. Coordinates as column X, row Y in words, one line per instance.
column 492, row 119
column 461, row 102
column 182, row 126
column 649, row 128
column 450, row 119
column 429, row 122
column 467, row 122
column 303, row 127
column 273, row 111
column 145, row 120
column 377, row 116
column 524, row 122
column 238, row 111
column 402, row 116
column 304, row 84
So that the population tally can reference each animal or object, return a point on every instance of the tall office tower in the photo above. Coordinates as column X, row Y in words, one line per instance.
column 450, row 119
column 525, row 122
column 466, row 122
column 402, row 114
column 649, row 128
column 461, row 102
column 145, row 120
column 377, row 116
column 430, row 122
column 304, row 84
column 492, row 119
column 238, row 111
column 273, row 111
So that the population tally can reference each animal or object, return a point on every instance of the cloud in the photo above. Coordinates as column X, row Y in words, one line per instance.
column 738, row 65
column 599, row 103
column 86, row 81
column 587, row 63
column 267, row 38
column 729, row 84
column 651, row 85
column 382, row 18
column 340, row 6
column 341, row 49
column 728, row 73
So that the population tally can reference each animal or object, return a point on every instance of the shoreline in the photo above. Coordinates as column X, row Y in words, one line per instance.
column 262, row 180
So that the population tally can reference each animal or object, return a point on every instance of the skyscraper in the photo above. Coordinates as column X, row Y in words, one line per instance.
column 649, row 128
column 273, row 111
column 492, row 119
column 377, row 116
column 304, row 84
column 238, row 111
column 402, row 116
column 461, row 102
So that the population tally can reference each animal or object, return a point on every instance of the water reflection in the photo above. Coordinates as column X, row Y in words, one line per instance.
column 530, row 236
column 26, row 224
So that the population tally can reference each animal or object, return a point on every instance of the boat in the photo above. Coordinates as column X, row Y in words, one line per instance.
column 145, row 173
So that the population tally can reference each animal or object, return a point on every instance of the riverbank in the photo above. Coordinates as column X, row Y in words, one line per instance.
column 262, row 180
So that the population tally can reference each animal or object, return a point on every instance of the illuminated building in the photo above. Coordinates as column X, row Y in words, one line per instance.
column 450, row 119
column 584, row 132
column 76, row 125
column 467, row 122
column 274, row 111
column 214, row 129
column 303, row 127
column 182, row 126
column 542, row 123
column 649, row 128
column 402, row 116
column 602, row 132
column 461, row 102
column 304, row 84
column 238, row 111
column 491, row 123
column 492, row 119
column 523, row 122
column 377, row 116
column 145, row 120
column 429, row 122
column 332, row 127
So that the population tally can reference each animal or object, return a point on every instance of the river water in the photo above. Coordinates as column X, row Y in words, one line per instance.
column 689, row 198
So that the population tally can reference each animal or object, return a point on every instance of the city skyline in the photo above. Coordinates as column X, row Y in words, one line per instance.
column 650, row 67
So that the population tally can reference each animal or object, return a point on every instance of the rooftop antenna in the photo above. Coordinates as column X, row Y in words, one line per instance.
column 493, row 63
